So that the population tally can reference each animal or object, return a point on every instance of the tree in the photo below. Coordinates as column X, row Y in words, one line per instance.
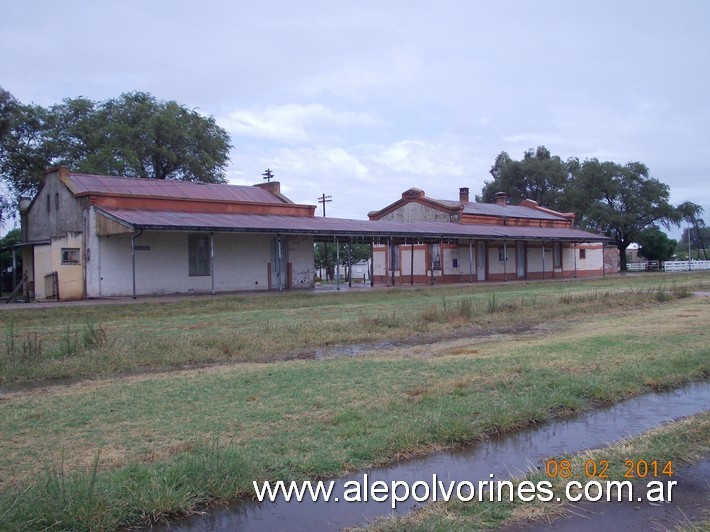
column 134, row 135
column 358, row 252
column 699, row 235
column 144, row 137
column 655, row 244
column 620, row 201
column 697, row 232
column 7, row 106
column 14, row 236
column 24, row 150
column 539, row 176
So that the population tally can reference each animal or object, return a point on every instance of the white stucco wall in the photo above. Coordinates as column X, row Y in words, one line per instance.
column 420, row 266
column 495, row 265
column 535, row 258
column 594, row 259
column 464, row 256
column 240, row 263
column 300, row 255
column 379, row 258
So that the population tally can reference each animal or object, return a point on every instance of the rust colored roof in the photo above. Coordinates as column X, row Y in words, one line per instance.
column 470, row 208
column 254, row 223
column 88, row 184
column 503, row 211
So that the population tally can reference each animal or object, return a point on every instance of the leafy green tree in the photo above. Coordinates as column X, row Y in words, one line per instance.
column 620, row 201
column 655, row 244
column 134, row 134
column 144, row 137
column 538, row 176
column 7, row 106
column 698, row 234
column 699, row 240
column 12, row 237
column 24, row 150
column 358, row 252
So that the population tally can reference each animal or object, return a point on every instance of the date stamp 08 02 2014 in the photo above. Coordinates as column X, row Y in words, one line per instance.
column 599, row 469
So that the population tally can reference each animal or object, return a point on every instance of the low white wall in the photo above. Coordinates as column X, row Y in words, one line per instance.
column 240, row 263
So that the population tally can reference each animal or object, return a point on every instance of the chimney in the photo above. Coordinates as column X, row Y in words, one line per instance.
column 24, row 204
column 501, row 198
column 463, row 194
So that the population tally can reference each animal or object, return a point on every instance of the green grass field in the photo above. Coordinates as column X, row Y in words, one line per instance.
column 107, row 340
column 191, row 401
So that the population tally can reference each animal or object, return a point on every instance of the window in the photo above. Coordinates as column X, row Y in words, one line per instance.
column 70, row 255
column 435, row 252
column 556, row 255
column 394, row 257
column 582, row 253
column 56, row 200
column 199, row 254
column 49, row 203
column 502, row 254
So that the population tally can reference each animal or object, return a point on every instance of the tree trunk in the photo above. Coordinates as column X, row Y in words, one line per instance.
column 622, row 256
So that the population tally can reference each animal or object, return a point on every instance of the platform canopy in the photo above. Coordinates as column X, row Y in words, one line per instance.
column 123, row 220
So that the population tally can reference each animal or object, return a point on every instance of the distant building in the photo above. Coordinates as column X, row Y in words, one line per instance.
column 505, row 242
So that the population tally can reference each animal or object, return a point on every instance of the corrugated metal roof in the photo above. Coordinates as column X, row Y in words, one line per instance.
column 82, row 184
column 493, row 209
column 254, row 223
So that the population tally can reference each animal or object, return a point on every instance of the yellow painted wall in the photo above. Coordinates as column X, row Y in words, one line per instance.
column 71, row 276
column 43, row 266
column 48, row 259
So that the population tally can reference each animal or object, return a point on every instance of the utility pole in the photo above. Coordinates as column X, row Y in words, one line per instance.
column 268, row 175
column 325, row 199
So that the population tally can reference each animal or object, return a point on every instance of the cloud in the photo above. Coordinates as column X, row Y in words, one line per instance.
column 293, row 122
column 423, row 158
column 358, row 77
column 365, row 177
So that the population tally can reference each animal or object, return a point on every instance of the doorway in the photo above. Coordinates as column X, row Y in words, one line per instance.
column 520, row 260
column 480, row 261
column 279, row 264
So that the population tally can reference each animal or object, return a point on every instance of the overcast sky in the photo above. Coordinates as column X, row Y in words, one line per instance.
column 363, row 100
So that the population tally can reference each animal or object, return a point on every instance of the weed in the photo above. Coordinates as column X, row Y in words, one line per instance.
column 94, row 336
column 492, row 305
column 69, row 344
column 681, row 292
column 31, row 348
column 662, row 295
column 464, row 308
column 431, row 314
column 460, row 310
column 10, row 339
column 387, row 321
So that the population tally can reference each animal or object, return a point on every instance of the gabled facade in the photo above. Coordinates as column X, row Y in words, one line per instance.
column 523, row 241
column 78, row 247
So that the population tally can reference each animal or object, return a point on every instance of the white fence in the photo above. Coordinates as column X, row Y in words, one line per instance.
column 650, row 266
column 682, row 265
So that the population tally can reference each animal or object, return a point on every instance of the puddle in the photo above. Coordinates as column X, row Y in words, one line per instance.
column 503, row 456
column 352, row 350
column 8, row 389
